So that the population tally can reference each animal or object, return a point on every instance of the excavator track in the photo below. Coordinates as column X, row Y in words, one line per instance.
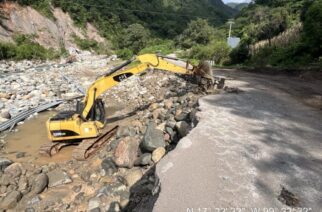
column 89, row 146
column 51, row 149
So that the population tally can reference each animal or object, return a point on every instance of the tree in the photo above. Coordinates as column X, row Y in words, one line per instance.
column 313, row 28
column 134, row 38
column 198, row 32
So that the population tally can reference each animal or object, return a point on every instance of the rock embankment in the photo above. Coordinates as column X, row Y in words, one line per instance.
column 154, row 111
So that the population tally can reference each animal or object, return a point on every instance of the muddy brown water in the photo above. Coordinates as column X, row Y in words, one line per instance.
column 31, row 135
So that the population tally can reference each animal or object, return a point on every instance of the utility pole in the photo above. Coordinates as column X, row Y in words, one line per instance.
column 230, row 26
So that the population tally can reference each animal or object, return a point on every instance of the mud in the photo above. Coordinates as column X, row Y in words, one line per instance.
column 30, row 136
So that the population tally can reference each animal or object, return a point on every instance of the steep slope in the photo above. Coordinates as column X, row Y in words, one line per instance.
column 165, row 18
column 49, row 33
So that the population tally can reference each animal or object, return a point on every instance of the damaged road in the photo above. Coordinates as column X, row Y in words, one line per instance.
column 257, row 148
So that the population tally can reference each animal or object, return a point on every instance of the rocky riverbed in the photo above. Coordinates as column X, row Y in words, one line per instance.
column 154, row 111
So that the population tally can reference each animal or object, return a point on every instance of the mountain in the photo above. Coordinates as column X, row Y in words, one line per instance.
column 164, row 18
column 237, row 6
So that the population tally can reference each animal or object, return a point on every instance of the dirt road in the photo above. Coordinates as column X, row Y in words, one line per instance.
column 247, row 147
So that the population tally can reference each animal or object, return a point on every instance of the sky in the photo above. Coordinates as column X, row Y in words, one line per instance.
column 238, row 1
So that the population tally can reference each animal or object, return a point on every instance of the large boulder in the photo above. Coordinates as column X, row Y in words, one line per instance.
column 153, row 138
column 40, row 183
column 58, row 177
column 10, row 201
column 126, row 152
column 14, row 170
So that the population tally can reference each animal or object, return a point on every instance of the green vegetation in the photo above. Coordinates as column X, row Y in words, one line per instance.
column 265, row 19
column 164, row 26
column 25, row 48
column 237, row 6
column 164, row 18
column 135, row 37
column 163, row 47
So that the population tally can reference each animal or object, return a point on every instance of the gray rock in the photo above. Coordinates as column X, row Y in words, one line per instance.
column 3, row 189
column 94, row 204
column 30, row 209
column 34, row 200
column 181, row 117
column 113, row 189
column 182, row 128
column 170, row 131
column 40, row 183
column 144, row 159
column 124, row 131
column 14, row 170
column 23, row 184
column 58, row 177
column 171, row 124
column 113, row 207
column 11, row 200
column 193, row 117
column 113, row 145
column 4, row 163
column 5, row 180
column 153, row 138
column 109, row 166
column 20, row 154
column 1, row 105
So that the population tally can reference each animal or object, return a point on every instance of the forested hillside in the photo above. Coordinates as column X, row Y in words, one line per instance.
column 165, row 18
column 237, row 6
column 264, row 21
column 141, row 25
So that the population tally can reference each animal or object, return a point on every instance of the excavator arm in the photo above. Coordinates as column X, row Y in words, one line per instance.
column 115, row 76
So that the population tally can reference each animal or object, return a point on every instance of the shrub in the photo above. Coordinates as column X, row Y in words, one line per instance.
column 159, row 46
column 198, row 32
column 125, row 53
column 25, row 48
column 240, row 54
column 134, row 38
column 85, row 44
column 218, row 51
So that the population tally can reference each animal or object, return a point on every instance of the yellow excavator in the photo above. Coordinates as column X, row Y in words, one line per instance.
column 87, row 124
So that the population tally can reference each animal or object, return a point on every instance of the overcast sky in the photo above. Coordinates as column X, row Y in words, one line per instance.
column 239, row 1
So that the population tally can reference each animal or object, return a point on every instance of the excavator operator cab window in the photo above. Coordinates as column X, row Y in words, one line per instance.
column 97, row 112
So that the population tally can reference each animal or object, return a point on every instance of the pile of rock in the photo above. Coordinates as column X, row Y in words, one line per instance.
column 24, row 182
